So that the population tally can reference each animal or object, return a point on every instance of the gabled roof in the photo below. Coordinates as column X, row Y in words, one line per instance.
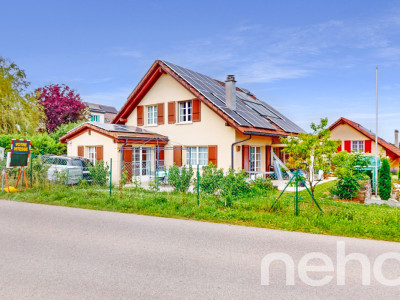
column 251, row 116
column 368, row 133
column 101, row 108
column 119, row 133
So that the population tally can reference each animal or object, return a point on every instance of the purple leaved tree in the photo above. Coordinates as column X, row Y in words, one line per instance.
column 62, row 105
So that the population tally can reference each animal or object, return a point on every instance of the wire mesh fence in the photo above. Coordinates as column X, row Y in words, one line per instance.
column 52, row 170
column 148, row 169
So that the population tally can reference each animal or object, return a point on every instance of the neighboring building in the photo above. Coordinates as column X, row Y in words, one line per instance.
column 356, row 138
column 101, row 113
column 175, row 115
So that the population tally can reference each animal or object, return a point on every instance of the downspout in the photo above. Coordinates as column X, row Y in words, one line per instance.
column 122, row 157
column 233, row 145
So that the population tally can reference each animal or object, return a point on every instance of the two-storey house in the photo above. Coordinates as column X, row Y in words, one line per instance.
column 178, row 116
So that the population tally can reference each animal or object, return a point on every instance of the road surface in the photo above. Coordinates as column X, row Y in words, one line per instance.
column 50, row 252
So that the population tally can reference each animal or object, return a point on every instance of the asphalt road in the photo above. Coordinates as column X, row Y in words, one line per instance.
column 50, row 252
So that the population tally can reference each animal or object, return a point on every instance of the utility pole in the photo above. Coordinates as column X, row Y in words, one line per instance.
column 376, row 138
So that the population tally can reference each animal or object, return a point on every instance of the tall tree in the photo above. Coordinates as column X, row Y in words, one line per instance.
column 384, row 180
column 20, row 111
column 62, row 105
column 311, row 152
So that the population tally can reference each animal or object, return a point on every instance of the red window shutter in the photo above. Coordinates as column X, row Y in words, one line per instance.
column 267, row 158
column 347, row 146
column 171, row 112
column 127, row 154
column 339, row 148
column 128, row 166
column 213, row 154
column 196, row 110
column 368, row 146
column 80, row 151
column 160, row 113
column 99, row 152
column 178, row 155
column 245, row 158
column 140, row 121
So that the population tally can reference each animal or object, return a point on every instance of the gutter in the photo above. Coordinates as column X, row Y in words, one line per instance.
column 235, row 143
column 264, row 134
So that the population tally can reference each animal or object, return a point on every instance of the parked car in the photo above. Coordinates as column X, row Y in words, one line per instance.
column 71, row 170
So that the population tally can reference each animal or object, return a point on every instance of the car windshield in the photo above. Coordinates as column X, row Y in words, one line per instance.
column 75, row 162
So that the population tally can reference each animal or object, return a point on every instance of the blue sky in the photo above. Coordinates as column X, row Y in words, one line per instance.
column 308, row 59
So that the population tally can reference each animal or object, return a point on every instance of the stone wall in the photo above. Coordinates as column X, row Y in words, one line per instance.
column 364, row 192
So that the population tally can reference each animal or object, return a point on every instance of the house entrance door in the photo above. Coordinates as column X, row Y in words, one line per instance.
column 141, row 162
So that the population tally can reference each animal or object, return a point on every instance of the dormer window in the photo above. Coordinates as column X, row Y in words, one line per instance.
column 152, row 115
column 95, row 118
column 185, row 111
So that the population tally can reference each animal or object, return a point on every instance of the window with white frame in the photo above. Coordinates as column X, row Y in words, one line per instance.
column 92, row 154
column 197, row 156
column 185, row 111
column 152, row 115
column 357, row 146
column 255, row 159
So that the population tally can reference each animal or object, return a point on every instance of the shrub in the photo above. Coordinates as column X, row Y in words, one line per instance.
column 39, row 170
column 346, row 187
column 100, row 173
column 384, row 180
column 235, row 184
column 211, row 179
column 180, row 179
column 260, row 186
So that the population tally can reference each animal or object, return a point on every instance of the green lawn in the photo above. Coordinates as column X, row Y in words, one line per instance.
column 344, row 219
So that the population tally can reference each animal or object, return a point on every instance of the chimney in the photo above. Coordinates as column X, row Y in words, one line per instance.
column 230, row 92
column 396, row 138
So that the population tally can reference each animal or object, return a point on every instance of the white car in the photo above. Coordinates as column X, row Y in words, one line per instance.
column 70, row 170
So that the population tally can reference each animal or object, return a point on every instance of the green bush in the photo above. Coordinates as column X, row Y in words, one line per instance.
column 346, row 187
column 100, row 173
column 210, row 180
column 41, row 143
column 260, row 186
column 235, row 184
column 39, row 171
column 180, row 179
column 384, row 180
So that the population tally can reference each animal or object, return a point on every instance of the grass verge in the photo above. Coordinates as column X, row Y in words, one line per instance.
column 343, row 219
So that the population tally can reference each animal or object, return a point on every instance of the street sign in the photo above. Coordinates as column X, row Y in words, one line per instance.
column 19, row 154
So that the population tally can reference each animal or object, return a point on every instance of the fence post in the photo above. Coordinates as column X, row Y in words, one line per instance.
column 297, row 193
column 110, row 175
column 198, row 189
column 30, row 161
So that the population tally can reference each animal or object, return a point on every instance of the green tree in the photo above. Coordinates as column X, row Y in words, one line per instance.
column 63, row 129
column 384, row 180
column 311, row 152
column 20, row 111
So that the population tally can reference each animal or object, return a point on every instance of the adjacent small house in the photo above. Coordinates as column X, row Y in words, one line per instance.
column 356, row 138
column 178, row 116
column 101, row 113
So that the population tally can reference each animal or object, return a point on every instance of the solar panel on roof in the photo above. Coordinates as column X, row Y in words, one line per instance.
column 261, row 109
column 254, row 114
